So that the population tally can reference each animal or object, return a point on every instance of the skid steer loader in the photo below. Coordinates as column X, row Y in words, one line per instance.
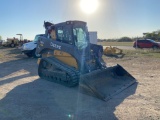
column 68, row 58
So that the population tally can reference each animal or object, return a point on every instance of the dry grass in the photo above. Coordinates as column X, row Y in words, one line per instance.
column 115, row 43
column 141, row 52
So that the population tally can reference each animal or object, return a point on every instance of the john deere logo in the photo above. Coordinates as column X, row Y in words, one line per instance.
column 55, row 45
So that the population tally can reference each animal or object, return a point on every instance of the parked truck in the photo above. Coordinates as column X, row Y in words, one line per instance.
column 93, row 37
column 30, row 47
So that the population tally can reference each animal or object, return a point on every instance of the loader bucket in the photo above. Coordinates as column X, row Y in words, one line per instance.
column 106, row 83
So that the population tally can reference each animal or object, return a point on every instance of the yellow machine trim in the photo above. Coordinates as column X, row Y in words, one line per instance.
column 66, row 58
column 63, row 57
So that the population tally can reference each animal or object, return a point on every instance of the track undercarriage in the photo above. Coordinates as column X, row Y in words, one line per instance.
column 53, row 70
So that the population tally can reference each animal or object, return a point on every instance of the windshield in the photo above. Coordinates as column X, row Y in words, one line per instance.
column 36, row 38
column 81, row 37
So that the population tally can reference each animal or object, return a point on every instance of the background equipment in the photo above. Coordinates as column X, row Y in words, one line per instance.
column 113, row 52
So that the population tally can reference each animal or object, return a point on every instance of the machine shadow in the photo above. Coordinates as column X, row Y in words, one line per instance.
column 42, row 100
column 106, row 109
column 13, row 66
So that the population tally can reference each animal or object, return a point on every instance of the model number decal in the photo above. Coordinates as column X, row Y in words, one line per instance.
column 55, row 45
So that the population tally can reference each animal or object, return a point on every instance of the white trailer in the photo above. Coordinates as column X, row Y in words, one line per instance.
column 93, row 37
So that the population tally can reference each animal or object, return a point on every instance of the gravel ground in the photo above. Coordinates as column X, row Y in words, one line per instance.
column 24, row 96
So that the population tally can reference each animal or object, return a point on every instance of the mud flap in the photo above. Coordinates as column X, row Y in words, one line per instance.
column 106, row 83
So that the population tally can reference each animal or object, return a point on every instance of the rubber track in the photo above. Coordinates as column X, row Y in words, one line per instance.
column 73, row 73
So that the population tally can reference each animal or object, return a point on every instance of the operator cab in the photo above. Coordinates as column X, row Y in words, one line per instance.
column 73, row 32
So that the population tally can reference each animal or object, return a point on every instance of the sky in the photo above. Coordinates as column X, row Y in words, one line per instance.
column 112, row 18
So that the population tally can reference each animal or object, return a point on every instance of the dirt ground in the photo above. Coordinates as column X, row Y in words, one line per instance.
column 24, row 96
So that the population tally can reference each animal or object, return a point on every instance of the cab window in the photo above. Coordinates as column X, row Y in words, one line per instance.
column 80, row 38
column 64, row 35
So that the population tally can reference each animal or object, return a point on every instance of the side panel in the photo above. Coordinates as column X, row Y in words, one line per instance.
column 70, row 50
column 63, row 57
column 66, row 58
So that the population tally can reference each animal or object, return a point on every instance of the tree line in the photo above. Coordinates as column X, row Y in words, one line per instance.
column 122, row 39
column 155, row 35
